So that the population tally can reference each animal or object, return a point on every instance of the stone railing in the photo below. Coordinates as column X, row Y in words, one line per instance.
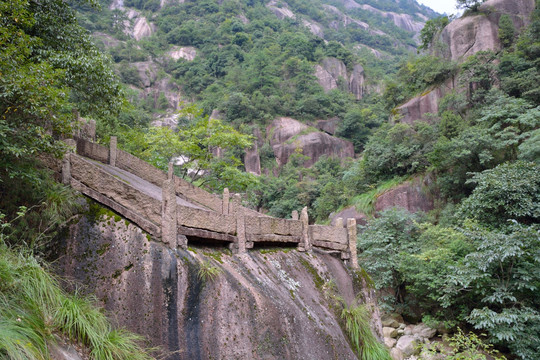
column 209, row 217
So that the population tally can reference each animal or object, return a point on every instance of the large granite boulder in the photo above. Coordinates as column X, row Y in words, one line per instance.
column 288, row 136
column 411, row 195
column 470, row 34
column 332, row 72
column 261, row 305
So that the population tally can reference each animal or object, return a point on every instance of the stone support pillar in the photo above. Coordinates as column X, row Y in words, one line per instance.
column 339, row 223
column 66, row 162
column 112, row 151
column 240, row 246
column 351, row 232
column 305, row 244
column 294, row 215
column 225, row 202
column 169, row 229
column 170, row 172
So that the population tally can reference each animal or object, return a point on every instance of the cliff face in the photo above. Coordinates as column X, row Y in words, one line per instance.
column 465, row 37
column 263, row 305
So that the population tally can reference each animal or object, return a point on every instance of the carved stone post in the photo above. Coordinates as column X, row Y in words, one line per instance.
column 240, row 246
column 305, row 245
column 339, row 223
column 66, row 162
column 294, row 215
column 170, row 171
column 351, row 230
column 225, row 202
column 169, row 229
column 112, row 151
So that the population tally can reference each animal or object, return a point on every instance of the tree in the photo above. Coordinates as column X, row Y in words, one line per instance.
column 469, row 4
column 48, row 67
column 508, row 191
column 501, row 274
column 431, row 29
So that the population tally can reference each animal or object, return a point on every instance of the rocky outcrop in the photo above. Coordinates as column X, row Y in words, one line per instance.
column 417, row 108
column 262, row 305
column 403, row 340
column 314, row 145
column 188, row 53
column 332, row 72
column 462, row 38
column 314, row 28
column 281, row 10
column 136, row 25
column 344, row 20
column 289, row 136
column 347, row 213
column 328, row 126
column 410, row 195
column 403, row 21
column 470, row 34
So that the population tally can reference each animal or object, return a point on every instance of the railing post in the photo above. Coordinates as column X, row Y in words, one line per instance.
column 351, row 232
column 240, row 246
column 112, row 151
column 339, row 222
column 225, row 202
column 66, row 162
column 305, row 245
column 294, row 215
column 170, row 171
column 169, row 228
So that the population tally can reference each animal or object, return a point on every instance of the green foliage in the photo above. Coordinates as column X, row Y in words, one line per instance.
column 208, row 272
column 461, row 346
column 506, row 30
column 381, row 244
column 501, row 274
column 508, row 191
column 431, row 29
column 49, row 66
column 34, row 310
column 207, row 149
column 365, row 344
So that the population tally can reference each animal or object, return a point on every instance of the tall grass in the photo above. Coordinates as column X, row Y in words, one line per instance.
column 365, row 202
column 365, row 344
column 34, row 311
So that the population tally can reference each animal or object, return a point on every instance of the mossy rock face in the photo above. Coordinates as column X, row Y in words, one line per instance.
column 267, row 303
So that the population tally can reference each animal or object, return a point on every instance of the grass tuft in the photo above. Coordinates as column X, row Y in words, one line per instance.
column 365, row 344
column 208, row 272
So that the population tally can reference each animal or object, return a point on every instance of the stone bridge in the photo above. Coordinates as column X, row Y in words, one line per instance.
column 173, row 210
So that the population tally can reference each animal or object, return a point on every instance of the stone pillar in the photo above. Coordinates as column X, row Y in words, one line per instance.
column 240, row 246
column 294, row 215
column 169, row 229
column 112, row 151
column 170, row 171
column 339, row 223
column 66, row 161
column 305, row 244
column 351, row 232
column 225, row 202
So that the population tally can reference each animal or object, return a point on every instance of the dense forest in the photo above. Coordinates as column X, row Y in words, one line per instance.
column 469, row 265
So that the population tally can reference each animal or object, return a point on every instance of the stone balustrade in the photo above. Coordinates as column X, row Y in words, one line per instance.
column 162, row 212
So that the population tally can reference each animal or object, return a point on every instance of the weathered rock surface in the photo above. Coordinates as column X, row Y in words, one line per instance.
column 408, row 345
column 328, row 126
column 347, row 213
column 314, row 28
column 259, row 306
column 344, row 20
column 409, row 195
column 403, row 21
column 188, row 52
column 332, row 72
column 281, row 10
column 289, row 136
column 137, row 26
column 416, row 108
column 465, row 37
column 468, row 35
